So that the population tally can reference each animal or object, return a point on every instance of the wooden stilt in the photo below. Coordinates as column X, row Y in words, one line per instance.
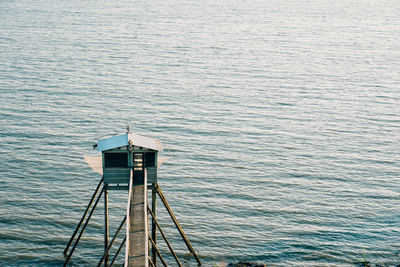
column 83, row 217
column 83, row 228
column 118, row 251
column 165, row 237
column 151, row 263
column 178, row 226
column 106, row 228
column 158, row 252
column 112, row 242
column 153, row 222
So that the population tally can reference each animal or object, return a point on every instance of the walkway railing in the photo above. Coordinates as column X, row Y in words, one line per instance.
column 131, row 253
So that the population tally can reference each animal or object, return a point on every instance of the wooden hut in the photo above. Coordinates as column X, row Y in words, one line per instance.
column 121, row 153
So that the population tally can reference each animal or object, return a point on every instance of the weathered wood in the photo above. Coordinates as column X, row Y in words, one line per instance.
column 117, row 171
column 118, row 187
column 130, row 162
column 83, row 216
column 128, row 217
column 118, row 251
column 153, row 221
column 151, row 175
column 151, row 263
column 112, row 242
column 178, row 226
column 106, row 228
column 116, row 175
column 137, row 228
column 164, row 236
column 83, row 228
column 158, row 252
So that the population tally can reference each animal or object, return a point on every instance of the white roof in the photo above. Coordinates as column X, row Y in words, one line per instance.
column 127, row 139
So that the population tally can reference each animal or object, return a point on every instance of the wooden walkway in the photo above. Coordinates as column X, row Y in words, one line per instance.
column 136, row 221
column 137, row 245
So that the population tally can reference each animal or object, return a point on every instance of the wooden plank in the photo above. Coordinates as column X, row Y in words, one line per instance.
column 151, row 175
column 137, row 226
column 116, row 176
column 118, row 187
column 128, row 216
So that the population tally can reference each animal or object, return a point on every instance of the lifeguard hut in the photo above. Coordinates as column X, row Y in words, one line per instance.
column 130, row 162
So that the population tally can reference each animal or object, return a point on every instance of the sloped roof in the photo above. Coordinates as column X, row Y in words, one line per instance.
column 126, row 139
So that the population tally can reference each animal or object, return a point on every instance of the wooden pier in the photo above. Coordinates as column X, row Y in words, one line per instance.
column 130, row 162
column 137, row 248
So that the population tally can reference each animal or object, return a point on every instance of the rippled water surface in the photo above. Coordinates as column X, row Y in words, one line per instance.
column 280, row 120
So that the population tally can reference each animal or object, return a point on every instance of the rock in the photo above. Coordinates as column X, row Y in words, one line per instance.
column 246, row 264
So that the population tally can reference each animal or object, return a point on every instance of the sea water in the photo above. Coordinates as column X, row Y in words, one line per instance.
column 279, row 119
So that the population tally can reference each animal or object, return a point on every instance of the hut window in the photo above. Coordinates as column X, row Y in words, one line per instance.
column 150, row 159
column 116, row 160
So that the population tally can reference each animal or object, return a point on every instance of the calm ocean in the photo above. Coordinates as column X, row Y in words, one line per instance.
column 280, row 122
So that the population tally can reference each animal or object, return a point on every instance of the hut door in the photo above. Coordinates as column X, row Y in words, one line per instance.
column 138, row 168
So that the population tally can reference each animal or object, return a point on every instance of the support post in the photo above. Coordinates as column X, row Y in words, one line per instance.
column 178, row 226
column 83, row 216
column 158, row 252
column 118, row 251
column 111, row 243
column 151, row 263
column 153, row 222
column 165, row 238
column 106, row 227
column 83, row 228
